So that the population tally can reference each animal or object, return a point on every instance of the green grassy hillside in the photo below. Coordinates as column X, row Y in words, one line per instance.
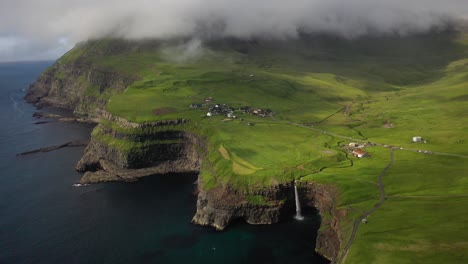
column 324, row 91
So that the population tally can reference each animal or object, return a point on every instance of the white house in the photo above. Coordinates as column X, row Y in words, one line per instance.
column 417, row 139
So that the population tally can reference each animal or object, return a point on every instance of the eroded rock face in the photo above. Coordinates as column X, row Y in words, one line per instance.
column 77, row 86
column 103, row 163
column 323, row 197
column 137, row 158
column 219, row 207
column 170, row 150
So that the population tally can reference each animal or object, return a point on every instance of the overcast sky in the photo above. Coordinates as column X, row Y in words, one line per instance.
column 45, row 29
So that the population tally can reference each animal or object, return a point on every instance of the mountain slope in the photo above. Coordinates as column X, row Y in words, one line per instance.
column 298, row 104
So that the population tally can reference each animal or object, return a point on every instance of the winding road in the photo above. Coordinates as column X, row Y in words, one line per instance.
column 366, row 214
column 380, row 185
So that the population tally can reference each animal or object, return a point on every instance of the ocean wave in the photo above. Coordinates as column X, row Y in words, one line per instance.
column 79, row 185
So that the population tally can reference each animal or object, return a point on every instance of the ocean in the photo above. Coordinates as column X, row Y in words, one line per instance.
column 45, row 219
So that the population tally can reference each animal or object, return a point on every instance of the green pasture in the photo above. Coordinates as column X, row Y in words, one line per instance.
column 377, row 89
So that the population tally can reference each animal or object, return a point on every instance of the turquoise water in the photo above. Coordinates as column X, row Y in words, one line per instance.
column 44, row 219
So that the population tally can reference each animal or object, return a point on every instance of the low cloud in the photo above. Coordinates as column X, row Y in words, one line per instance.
column 47, row 23
column 192, row 49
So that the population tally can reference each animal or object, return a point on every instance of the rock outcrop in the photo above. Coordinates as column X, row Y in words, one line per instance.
column 78, row 85
column 103, row 163
column 151, row 148
column 323, row 198
column 218, row 207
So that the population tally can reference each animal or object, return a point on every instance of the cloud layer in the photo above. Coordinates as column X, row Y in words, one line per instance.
column 58, row 24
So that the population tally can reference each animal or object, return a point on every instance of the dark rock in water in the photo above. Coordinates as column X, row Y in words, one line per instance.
column 45, row 115
column 61, row 118
column 42, row 122
column 77, row 143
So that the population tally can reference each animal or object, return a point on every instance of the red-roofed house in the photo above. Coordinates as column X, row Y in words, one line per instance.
column 359, row 153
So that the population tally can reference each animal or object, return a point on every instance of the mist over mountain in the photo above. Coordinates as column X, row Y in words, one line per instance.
column 52, row 26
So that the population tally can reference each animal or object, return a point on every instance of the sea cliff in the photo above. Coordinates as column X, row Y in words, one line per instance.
column 121, row 150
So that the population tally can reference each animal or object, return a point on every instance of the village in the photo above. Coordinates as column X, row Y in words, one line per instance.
column 229, row 112
column 357, row 149
column 221, row 109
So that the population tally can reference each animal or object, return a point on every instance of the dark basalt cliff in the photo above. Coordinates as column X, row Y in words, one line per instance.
column 150, row 151
column 78, row 86
column 323, row 198
column 166, row 147
column 221, row 206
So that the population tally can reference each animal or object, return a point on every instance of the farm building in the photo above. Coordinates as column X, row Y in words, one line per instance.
column 417, row 139
column 359, row 153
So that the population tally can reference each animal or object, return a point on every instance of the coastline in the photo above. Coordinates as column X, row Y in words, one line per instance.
column 172, row 149
column 217, row 207
column 246, row 163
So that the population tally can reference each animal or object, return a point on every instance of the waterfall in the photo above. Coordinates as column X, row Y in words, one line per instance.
column 298, row 204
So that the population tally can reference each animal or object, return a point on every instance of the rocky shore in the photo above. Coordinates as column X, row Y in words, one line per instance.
column 77, row 85
column 165, row 147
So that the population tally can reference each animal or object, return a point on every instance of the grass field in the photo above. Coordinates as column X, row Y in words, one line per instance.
column 378, row 89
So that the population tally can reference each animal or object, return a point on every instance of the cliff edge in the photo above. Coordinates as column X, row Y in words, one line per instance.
column 122, row 150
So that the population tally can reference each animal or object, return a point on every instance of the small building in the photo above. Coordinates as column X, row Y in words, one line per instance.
column 196, row 106
column 353, row 144
column 417, row 139
column 209, row 114
column 360, row 153
column 209, row 99
column 231, row 115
